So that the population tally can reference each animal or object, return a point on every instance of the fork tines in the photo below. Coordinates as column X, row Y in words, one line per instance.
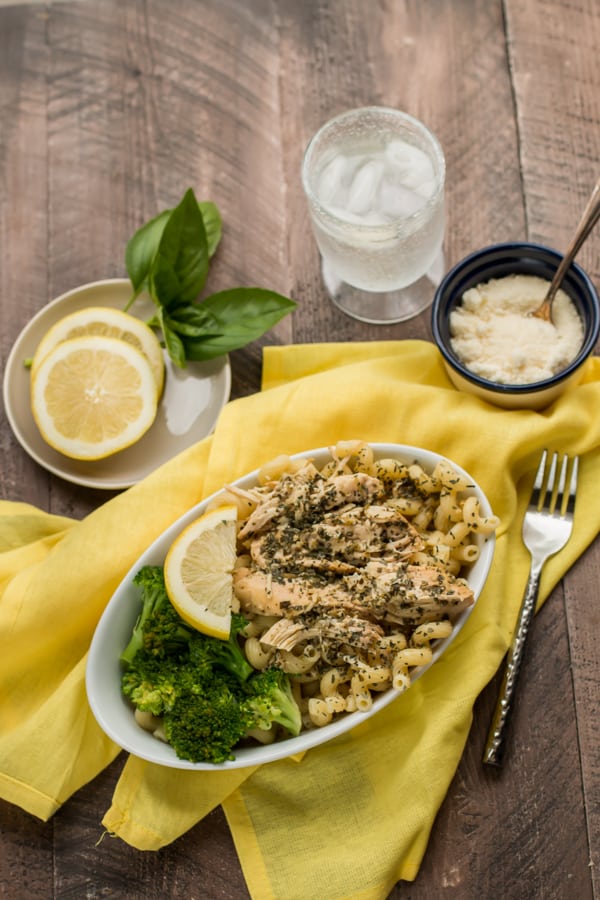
column 545, row 483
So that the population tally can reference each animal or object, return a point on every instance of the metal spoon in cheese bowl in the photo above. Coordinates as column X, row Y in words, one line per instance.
column 588, row 220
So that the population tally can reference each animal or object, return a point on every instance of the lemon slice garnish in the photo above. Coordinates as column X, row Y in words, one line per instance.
column 198, row 571
column 105, row 322
column 93, row 396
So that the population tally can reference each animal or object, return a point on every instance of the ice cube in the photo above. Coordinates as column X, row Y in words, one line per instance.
column 412, row 164
column 329, row 187
column 364, row 187
column 398, row 201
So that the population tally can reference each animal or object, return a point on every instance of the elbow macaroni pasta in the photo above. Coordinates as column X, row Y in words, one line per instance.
column 451, row 527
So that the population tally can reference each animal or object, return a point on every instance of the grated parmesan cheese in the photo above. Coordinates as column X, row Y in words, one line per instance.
column 494, row 336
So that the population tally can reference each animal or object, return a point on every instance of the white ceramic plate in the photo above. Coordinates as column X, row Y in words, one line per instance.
column 190, row 405
column 103, row 676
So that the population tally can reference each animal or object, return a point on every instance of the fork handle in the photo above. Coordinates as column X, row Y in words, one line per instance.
column 496, row 740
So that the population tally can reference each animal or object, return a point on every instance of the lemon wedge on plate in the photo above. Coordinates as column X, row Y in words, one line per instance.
column 105, row 322
column 198, row 571
column 93, row 396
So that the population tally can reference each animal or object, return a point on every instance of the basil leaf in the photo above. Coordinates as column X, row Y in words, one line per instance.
column 140, row 252
column 141, row 248
column 169, row 256
column 180, row 266
column 243, row 315
column 212, row 225
column 193, row 321
column 163, row 283
column 248, row 308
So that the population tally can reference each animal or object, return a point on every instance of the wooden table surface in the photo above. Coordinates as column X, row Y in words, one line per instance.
column 108, row 111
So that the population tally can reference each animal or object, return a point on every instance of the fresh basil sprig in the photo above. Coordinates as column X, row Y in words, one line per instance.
column 169, row 257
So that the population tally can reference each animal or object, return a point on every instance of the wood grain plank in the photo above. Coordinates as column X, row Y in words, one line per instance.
column 26, row 857
column 555, row 82
column 552, row 47
column 583, row 626
column 202, row 863
column 24, row 226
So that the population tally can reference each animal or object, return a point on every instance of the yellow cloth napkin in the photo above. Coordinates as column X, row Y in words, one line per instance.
column 354, row 814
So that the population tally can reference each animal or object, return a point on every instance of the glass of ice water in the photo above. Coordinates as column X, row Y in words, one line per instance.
column 374, row 180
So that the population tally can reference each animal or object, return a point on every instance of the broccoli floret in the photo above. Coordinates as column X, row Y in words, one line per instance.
column 226, row 655
column 270, row 699
column 151, row 684
column 202, row 717
column 166, row 634
column 194, row 682
column 206, row 712
column 159, row 629
column 206, row 726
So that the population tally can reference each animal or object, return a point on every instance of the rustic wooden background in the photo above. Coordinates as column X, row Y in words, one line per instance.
column 108, row 111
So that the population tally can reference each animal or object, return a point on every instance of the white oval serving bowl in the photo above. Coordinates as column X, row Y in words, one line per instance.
column 114, row 713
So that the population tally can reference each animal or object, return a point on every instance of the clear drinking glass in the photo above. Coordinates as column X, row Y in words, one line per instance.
column 374, row 180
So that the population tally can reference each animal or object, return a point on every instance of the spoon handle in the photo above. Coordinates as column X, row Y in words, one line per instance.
column 588, row 220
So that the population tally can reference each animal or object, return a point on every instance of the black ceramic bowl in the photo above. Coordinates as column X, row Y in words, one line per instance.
column 498, row 261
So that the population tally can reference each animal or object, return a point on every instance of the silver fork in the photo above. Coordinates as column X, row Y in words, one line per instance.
column 546, row 529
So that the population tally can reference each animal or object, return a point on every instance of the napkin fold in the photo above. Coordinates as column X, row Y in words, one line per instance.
column 354, row 814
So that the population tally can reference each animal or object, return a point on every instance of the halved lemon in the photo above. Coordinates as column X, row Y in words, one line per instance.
column 93, row 396
column 105, row 322
column 198, row 571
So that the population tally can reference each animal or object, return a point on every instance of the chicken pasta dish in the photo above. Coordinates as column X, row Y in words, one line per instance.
column 348, row 572
column 317, row 587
